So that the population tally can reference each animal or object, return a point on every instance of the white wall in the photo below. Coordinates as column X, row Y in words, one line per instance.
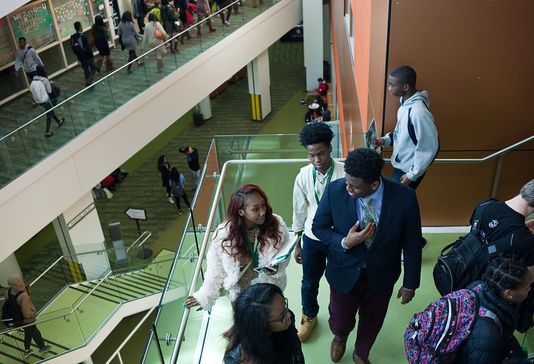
column 44, row 192
column 7, row 6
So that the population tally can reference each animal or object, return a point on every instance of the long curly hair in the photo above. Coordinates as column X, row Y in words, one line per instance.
column 236, row 243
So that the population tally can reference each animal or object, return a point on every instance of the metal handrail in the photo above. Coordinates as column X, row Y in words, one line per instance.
column 46, row 270
column 68, row 312
column 144, row 239
column 113, row 73
column 134, row 330
column 92, row 290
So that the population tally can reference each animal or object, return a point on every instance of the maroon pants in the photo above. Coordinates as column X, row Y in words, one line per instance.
column 371, row 308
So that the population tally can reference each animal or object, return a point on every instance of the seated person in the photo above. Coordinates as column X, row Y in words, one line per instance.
column 320, row 91
column 264, row 329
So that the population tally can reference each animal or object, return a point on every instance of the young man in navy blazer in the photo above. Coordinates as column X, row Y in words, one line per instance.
column 366, row 222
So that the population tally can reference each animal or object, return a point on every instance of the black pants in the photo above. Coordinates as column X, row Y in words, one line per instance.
column 32, row 332
column 141, row 23
column 89, row 70
column 184, row 197
column 50, row 113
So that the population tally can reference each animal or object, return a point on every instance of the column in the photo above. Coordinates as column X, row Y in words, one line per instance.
column 312, row 16
column 9, row 267
column 204, row 107
column 259, row 86
column 79, row 231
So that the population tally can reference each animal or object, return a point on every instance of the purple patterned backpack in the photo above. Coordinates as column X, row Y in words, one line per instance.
column 435, row 335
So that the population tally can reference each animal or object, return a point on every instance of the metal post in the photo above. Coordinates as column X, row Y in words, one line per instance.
column 497, row 177
column 155, row 331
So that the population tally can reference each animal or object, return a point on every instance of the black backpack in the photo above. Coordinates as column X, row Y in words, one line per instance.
column 78, row 48
column 11, row 311
column 464, row 261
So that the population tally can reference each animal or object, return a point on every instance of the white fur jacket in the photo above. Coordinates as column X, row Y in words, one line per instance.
column 222, row 270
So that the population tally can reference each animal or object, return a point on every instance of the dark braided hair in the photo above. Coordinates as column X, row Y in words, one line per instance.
column 505, row 272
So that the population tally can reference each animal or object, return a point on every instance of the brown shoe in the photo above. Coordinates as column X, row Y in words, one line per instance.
column 358, row 360
column 337, row 348
column 307, row 325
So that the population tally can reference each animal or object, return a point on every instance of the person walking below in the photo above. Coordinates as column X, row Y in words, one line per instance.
column 164, row 168
column 193, row 162
column 27, row 59
column 128, row 37
column 81, row 48
column 41, row 91
column 204, row 11
column 169, row 17
column 177, row 183
column 18, row 288
column 101, row 37
column 154, row 37
column 140, row 10
column 221, row 4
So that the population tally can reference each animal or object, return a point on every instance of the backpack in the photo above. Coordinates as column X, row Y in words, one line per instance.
column 78, row 48
column 464, row 261
column 11, row 311
column 435, row 335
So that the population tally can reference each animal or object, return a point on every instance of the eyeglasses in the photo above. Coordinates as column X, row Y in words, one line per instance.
column 283, row 316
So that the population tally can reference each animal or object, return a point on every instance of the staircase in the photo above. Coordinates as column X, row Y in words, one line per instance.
column 80, row 310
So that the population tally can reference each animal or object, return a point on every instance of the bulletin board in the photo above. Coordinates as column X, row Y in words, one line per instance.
column 69, row 11
column 35, row 24
column 7, row 53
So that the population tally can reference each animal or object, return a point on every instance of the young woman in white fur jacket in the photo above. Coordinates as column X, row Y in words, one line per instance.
column 250, row 237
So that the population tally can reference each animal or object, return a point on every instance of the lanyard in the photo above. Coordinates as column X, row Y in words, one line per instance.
column 253, row 247
column 328, row 179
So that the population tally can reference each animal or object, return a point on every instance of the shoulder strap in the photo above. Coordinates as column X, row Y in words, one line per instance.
column 478, row 215
column 411, row 129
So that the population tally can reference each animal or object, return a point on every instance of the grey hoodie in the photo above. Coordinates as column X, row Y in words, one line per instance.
column 413, row 159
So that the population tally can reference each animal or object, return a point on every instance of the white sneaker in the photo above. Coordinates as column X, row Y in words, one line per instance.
column 171, row 200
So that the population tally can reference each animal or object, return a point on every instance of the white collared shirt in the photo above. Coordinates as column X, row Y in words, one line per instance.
column 304, row 203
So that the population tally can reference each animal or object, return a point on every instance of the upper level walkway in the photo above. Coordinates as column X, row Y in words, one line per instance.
column 22, row 141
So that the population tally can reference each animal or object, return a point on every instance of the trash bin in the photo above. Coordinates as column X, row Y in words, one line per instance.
column 198, row 119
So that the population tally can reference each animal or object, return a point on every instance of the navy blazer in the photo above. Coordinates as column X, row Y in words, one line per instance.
column 398, row 230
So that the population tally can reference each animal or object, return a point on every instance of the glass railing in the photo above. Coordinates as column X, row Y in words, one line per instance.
column 162, row 344
column 26, row 145
column 76, row 314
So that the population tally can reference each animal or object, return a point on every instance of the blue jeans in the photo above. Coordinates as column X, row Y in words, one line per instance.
column 397, row 174
column 313, row 265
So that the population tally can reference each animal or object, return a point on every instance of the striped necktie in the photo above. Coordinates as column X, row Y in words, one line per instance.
column 369, row 217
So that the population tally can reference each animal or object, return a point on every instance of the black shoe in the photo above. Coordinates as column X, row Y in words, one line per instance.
column 48, row 134
column 61, row 122
column 425, row 243
column 180, row 211
column 27, row 353
column 45, row 348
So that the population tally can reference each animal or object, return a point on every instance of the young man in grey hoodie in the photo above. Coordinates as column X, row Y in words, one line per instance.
column 415, row 138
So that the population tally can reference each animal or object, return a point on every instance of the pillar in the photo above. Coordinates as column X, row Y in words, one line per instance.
column 259, row 86
column 312, row 17
column 204, row 107
column 79, row 231
column 9, row 267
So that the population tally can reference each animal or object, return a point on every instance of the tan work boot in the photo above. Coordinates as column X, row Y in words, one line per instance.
column 306, row 327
